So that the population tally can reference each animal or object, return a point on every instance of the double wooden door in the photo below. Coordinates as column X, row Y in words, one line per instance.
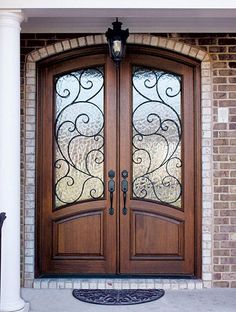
column 116, row 167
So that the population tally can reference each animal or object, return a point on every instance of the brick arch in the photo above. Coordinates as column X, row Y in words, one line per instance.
column 29, row 139
column 148, row 40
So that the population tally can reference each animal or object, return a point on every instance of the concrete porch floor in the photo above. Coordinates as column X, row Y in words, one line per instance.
column 205, row 300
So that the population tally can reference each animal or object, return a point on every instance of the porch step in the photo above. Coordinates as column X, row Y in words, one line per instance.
column 98, row 283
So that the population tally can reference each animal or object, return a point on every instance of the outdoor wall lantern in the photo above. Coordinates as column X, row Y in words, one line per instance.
column 116, row 39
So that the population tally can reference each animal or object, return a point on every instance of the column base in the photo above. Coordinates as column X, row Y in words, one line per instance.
column 26, row 308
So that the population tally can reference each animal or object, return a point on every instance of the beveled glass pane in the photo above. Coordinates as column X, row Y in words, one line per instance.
column 79, row 136
column 156, row 141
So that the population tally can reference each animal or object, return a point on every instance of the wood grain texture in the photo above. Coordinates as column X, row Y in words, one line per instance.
column 153, row 238
column 77, row 238
column 178, row 241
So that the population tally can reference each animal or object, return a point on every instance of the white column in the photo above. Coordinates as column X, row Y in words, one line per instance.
column 10, row 158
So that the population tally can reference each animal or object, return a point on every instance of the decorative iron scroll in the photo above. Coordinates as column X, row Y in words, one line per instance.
column 79, row 136
column 156, row 141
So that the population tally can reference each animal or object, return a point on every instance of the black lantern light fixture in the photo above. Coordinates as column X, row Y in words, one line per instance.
column 116, row 39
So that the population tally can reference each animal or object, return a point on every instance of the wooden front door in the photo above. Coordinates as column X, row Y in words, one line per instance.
column 117, row 166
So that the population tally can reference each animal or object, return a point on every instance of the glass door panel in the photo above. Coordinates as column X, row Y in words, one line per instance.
column 156, row 139
column 79, row 136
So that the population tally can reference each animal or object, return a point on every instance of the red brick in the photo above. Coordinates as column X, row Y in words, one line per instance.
column 227, row 41
column 219, row 95
column 227, row 228
column 228, row 165
column 219, row 80
column 36, row 43
column 229, row 276
column 207, row 41
column 228, row 182
column 221, row 205
column 232, row 79
column 220, row 157
column 227, row 103
column 232, row 110
column 227, row 150
column 221, row 284
column 227, row 72
column 221, row 189
column 216, row 229
column 221, row 252
column 233, row 284
column 221, row 268
column 232, row 64
column 228, row 213
column 219, row 65
column 227, row 133
column 227, row 88
column 220, row 237
column 221, row 142
column 228, row 57
column 221, row 173
column 217, row 276
column 228, row 260
column 221, row 220
column 216, row 49
column 229, row 244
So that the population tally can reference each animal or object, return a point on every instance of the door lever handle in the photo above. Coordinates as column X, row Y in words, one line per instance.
column 111, row 189
column 124, row 188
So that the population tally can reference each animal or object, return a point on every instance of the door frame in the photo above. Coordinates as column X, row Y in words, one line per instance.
column 197, row 126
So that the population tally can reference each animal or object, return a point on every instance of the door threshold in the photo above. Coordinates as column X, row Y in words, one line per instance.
column 119, row 283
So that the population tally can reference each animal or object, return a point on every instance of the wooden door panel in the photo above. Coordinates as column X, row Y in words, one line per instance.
column 77, row 148
column 156, row 236
column 79, row 236
column 157, row 233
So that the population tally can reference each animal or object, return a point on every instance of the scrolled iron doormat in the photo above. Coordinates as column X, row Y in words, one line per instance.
column 118, row 296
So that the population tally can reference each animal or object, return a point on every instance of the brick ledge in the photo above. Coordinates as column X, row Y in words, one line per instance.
column 117, row 283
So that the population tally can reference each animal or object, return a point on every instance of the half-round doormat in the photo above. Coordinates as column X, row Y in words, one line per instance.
column 118, row 296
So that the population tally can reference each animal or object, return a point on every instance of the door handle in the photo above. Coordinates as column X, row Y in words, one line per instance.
column 111, row 189
column 124, row 188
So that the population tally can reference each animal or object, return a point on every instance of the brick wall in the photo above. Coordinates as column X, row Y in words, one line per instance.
column 222, row 48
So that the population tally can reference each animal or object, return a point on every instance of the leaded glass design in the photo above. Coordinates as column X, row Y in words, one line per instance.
column 156, row 122
column 79, row 136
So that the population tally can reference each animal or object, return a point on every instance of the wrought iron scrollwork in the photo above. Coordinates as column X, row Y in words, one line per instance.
column 79, row 136
column 157, row 135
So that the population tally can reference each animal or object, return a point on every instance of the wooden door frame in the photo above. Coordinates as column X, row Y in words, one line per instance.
column 146, row 50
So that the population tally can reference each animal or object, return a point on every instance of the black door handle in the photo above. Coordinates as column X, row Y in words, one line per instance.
column 124, row 188
column 111, row 189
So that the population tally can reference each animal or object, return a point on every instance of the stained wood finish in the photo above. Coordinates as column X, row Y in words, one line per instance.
column 76, row 239
column 157, row 238
column 152, row 239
